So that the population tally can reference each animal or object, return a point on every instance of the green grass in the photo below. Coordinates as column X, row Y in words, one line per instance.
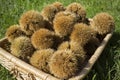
column 5, row 75
column 108, row 65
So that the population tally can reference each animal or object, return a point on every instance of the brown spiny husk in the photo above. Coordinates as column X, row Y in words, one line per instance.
column 91, row 46
column 59, row 6
column 31, row 21
column 49, row 12
column 40, row 59
column 43, row 39
column 63, row 25
column 64, row 64
column 64, row 45
column 13, row 32
column 22, row 48
column 82, row 33
column 103, row 23
column 78, row 9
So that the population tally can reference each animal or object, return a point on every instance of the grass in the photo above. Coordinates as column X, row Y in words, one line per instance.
column 108, row 65
column 5, row 75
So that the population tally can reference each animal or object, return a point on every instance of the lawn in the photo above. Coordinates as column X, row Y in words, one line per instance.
column 108, row 65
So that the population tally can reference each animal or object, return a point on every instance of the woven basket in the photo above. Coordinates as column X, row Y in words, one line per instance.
column 24, row 71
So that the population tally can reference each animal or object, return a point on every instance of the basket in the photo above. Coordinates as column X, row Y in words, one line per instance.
column 24, row 71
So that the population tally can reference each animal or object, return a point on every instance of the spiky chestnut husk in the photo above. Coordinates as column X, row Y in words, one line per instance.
column 22, row 48
column 43, row 39
column 62, row 13
column 65, row 13
column 64, row 45
column 40, row 59
column 78, row 10
column 82, row 33
column 91, row 46
column 64, row 64
column 31, row 21
column 59, row 6
column 103, row 23
column 13, row 32
column 49, row 12
column 63, row 25
column 78, row 50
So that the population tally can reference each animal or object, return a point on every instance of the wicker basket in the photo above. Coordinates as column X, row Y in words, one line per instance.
column 24, row 71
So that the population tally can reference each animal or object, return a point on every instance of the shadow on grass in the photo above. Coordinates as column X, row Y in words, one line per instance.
column 103, row 68
column 115, row 40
